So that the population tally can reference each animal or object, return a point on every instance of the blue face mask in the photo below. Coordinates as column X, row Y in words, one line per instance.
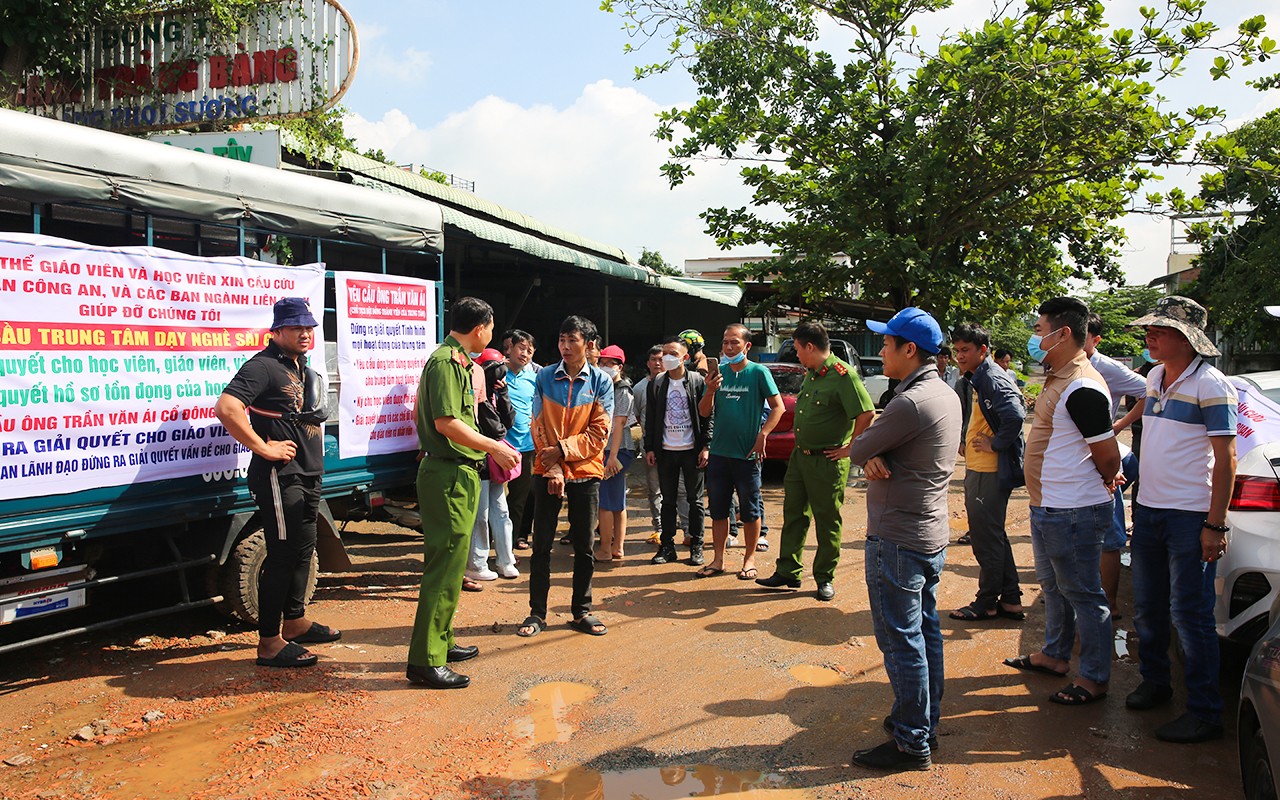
column 1033, row 346
column 1146, row 356
column 738, row 359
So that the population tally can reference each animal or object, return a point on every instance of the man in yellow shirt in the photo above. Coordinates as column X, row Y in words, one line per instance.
column 992, row 448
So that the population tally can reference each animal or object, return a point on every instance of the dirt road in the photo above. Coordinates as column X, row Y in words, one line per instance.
column 707, row 687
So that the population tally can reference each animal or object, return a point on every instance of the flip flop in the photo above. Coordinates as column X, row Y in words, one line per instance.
column 971, row 614
column 708, row 572
column 749, row 574
column 1025, row 664
column 1073, row 695
column 538, row 626
column 588, row 625
column 1016, row 616
column 291, row 655
column 762, row 546
column 317, row 634
column 469, row 585
column 521, row 544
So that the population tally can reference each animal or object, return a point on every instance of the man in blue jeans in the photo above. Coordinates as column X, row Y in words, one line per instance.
column 908, row 456
column 1188, row 468
column 1071, row 469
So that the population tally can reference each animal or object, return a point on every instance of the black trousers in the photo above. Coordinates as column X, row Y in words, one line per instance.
column 520, row 499
column 584, row 504
column 287, row 505
column 674, row 466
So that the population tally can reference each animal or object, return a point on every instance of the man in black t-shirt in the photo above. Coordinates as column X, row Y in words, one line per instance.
column 269, row 408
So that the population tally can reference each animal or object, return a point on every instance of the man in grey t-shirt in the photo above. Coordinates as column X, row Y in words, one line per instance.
column 909, row 455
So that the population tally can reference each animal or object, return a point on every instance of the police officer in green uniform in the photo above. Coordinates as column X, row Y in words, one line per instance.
column 831, row 409
column 449, row 491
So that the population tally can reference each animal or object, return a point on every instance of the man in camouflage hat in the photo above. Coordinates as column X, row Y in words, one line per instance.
column 1188, row 465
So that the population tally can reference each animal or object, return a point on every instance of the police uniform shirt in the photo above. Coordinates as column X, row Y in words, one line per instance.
column 446, row 390
column 830, row 399
column 274, row 382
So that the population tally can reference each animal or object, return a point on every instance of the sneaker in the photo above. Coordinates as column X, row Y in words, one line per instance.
column 696, row 558
column 733, row 542
column 1188, row 729
column 889, row 758
column 485, row 574
column 509, row 571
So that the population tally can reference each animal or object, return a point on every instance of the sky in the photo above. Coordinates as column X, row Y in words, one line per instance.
column 536, row 102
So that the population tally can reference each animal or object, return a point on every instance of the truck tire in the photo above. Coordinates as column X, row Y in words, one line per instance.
column 237, row 580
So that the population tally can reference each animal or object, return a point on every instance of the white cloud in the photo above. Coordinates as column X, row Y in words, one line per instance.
column 590, row 168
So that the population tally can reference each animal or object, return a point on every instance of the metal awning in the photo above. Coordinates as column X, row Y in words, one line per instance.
column 47, row 161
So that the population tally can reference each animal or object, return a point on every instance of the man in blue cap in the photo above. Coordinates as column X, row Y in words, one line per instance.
column 909, row 456
column 284, row 428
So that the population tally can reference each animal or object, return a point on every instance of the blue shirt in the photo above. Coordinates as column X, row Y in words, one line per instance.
column 520, row 391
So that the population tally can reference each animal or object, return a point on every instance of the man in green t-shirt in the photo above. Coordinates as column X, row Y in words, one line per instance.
column 832, row 408
column 735, row 394
column 449, row 490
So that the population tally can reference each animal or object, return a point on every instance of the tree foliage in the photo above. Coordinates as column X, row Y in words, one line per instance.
column 1117, row 308
column 1240, row 258
column 971, row 180
column 654, row 261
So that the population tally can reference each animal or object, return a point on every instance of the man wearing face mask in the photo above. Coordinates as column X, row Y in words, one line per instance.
column 735, row 393
column 1071, row 466
column 675, row 439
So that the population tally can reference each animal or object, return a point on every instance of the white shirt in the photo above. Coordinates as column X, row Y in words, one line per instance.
column 1121, row 381
column 677, row 431
column 1176, row 461
column 1069, row 477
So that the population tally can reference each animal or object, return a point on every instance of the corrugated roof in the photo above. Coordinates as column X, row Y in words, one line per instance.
column 729, row 290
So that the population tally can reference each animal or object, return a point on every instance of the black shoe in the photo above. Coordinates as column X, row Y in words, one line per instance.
column 776, row 581
column 436, row 677
column 695, row 557
column 1188, row 729
column 1148, row 695
column 664, row 556
column 826, row 591
column 932, row 740
column 458, row 653
column 889, row 758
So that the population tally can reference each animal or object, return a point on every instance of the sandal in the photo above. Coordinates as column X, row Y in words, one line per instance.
column 317, row 634
column 1073, row 695
column 535, row 625
column 1025, row 664
column 748, row 574
column 972, row 613
column 565, row 539
column 521, row 544
column 291, row 655
column 588, row 625
column 1004, row 613
column 965, row 538
column 762, row 546
column 708, row 572
column 469, row 585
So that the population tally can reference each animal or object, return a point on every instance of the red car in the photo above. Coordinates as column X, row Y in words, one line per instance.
column 782, row 440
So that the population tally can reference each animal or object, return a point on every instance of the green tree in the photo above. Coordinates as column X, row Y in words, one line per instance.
column 971, row 180
column 1118, row 307
column 654, row 261
column 1240, row 258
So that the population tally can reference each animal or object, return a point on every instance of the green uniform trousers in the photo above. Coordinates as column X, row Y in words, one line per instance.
column 448, row 496
column 813, row 484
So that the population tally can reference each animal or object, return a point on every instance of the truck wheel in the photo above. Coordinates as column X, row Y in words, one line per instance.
column 237, row 580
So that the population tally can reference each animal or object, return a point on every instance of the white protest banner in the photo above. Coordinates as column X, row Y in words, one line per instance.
column 111, row 359
column 1258, row 421
column 386, row 330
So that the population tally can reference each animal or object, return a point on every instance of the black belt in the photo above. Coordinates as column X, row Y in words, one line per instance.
column 475, row 464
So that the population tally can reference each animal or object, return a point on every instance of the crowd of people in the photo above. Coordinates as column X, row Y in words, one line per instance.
column 508, row 443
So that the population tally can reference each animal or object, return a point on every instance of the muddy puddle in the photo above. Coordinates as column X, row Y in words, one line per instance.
column 655, row 783
column 816, row 676
column 550, row 707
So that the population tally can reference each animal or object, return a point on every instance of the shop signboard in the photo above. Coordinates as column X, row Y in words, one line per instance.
column 251, row 147
column 177, row 69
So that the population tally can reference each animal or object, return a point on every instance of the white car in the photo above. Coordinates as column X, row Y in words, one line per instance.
column 1248, row 577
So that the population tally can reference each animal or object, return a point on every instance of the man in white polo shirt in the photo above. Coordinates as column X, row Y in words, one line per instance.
column 1188, row 468
column 1071, row 467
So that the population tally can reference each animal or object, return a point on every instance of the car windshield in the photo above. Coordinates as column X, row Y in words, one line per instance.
column 788, row 381
column 1271, row 394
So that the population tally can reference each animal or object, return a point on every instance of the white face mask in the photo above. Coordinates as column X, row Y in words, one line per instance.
column 612, row 372
column 671, row 362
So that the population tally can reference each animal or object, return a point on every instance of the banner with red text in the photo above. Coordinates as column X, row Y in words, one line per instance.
column 1258, row 418
column 111, row 359
column 386, row 330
